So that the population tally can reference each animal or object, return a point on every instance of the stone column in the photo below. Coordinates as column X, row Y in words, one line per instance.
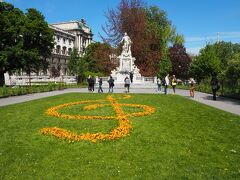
column 131, row 63
column 79, row 44
column 88, row 42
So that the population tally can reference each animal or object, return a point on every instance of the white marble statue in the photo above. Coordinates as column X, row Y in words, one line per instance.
column 126, row 51
column 126, row 63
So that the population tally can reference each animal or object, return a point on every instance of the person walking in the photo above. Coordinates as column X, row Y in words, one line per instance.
column 166, row 84
column 215, row 87
column 174, row 83
column 159, row 84
column 100, row 81
column 127, row 84
column 111, row 84
column 192, row 87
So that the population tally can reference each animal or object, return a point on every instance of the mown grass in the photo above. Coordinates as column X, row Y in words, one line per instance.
column 181, row 140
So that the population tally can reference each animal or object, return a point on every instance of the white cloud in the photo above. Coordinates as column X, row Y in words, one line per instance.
column 194, row 50
column 220, row 35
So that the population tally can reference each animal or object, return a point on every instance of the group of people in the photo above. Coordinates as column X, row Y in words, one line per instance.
column 166, row 83
column 91, row 81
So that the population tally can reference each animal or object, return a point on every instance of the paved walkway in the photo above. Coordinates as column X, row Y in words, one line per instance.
column 226, row 104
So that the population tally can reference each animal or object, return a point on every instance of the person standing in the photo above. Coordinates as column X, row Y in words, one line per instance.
column 159, row 84
column 166, row 84
column 89, row 83
column 192, row 87
column 174, row 83
column 100, row 81
column 127, row 84
column 111, row 84
column 215, row 87
column 131, row 77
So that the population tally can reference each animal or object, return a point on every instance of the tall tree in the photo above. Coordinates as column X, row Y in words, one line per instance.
column 206, row 64
column 25, row 40
column 180, row 60
column 233, row 69
column 77, row 65
column 37, row 42
column 148, row 28
column 11, row 30
column 225, row 51
column 165, row 65
column 97, row 55
column 102, row 56
column 73, row 61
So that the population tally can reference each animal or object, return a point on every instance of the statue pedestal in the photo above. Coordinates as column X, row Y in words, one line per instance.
column 126, row 65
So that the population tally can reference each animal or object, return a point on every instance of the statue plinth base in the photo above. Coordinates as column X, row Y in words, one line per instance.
column 126, row 65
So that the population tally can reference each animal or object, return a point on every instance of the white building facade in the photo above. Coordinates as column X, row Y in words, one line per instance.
column 67, row 36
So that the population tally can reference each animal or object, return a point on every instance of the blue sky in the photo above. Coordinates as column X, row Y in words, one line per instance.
column 198, row 20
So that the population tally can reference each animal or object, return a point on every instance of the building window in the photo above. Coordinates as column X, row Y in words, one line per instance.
column 58, row 49
column 64, row 40
column 69, row 51
column 58, row 38
column 64, row 50
column 70, row 41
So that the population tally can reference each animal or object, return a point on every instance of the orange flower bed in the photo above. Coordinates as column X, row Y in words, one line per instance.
column 122, row 130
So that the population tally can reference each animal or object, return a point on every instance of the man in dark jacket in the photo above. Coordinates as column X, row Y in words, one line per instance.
column 131, row 77
column 215, row 87
column 111, row 84
column 100, row 85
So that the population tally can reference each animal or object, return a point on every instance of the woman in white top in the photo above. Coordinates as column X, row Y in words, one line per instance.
column 166, row 83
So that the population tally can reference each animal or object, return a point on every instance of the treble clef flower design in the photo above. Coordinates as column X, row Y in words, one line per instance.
column 122, row 130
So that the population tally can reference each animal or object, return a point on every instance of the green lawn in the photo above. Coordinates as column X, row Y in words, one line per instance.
column 183, row 139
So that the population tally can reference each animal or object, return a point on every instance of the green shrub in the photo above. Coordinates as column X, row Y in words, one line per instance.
column 5, row 92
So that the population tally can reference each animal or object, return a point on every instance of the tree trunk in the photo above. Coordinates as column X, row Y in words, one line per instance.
column 79, row 79
column 222, row 91
column 2, row 79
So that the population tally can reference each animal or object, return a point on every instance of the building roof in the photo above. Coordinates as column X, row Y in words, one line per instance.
column 74, row 25
column 60, row 30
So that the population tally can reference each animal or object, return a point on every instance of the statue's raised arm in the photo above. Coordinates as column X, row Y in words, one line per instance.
column 126, row 51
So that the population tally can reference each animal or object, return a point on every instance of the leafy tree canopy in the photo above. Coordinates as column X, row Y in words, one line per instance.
column 148, row 27
column 233, row 69
column 206, row 64
column 180, row 60
column 25, row 40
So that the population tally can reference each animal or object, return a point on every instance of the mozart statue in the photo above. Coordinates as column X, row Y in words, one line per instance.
column 126, row 51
